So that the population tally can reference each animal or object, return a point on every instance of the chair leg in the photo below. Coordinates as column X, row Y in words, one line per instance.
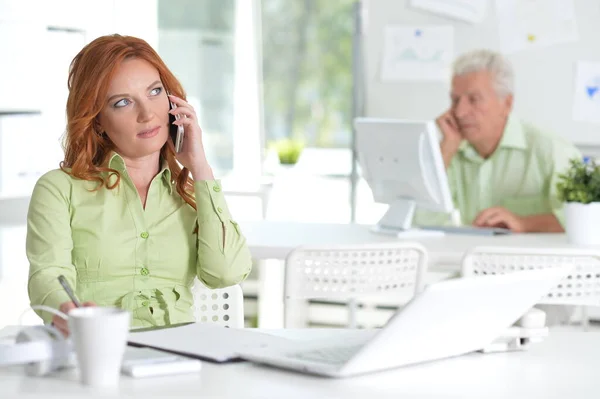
column 585, row 318
column 270, row 293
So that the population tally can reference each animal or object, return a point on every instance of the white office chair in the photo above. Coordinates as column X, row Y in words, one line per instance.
column 580, row 288
column 223, row 306
column 392, row 270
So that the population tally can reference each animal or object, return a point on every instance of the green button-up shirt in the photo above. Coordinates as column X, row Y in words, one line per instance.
column 116, row 253
column 521, row 175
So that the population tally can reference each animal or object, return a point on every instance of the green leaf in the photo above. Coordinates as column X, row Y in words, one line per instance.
column 580, row 182
column 288, row 150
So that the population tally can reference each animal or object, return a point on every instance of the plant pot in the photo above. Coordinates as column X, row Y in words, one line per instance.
column 582, row 223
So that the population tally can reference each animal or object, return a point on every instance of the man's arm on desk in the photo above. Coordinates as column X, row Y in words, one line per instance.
column 501, row 217
column 546, row 223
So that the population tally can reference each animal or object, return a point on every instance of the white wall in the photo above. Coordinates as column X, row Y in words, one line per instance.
column 33, row 77
column 545, row 76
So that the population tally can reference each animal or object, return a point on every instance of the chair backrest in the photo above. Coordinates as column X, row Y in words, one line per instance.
column 580, row 287
column 223, row 306
column 350, row 272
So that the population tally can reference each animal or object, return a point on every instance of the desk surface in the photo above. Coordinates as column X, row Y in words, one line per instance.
column 565, row 365
column 275, row 240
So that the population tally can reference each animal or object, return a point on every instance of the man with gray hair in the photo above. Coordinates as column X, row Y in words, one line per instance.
column 502, row 171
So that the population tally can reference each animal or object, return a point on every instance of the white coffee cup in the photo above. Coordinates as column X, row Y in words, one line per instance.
column 100, row 336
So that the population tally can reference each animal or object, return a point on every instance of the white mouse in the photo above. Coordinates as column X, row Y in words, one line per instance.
column 534, row 318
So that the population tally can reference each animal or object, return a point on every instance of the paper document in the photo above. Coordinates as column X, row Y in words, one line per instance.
column 204, row 341
column 586, row 105
column 417, row 53
column 535, row 23
column 467, row 10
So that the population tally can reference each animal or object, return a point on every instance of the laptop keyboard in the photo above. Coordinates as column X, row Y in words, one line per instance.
column 469, row 230
column 335, row 355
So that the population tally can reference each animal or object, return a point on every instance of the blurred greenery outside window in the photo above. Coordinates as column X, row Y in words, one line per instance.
column 307, row 71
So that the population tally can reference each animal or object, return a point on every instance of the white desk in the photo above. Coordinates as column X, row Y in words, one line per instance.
column 275, row 240
column 565, row 365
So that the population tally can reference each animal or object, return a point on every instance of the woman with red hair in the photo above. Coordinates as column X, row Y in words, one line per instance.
column 127, row 220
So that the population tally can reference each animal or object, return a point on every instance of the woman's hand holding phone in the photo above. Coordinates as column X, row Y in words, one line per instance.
column 176, row 132
column 192, row 154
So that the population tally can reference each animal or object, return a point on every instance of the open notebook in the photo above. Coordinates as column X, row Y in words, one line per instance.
column 218, row 344
column 203, row 340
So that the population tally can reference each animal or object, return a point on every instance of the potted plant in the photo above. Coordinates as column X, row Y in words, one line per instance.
column 288, row 150
column 579, row 188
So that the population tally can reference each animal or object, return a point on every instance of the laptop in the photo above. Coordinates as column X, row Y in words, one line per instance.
column 446, row 319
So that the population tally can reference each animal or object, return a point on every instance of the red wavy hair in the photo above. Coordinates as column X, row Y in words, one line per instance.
column 86, row 148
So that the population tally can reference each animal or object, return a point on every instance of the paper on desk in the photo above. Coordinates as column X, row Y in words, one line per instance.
column 417, row 53
column 586, row 105
column 205, row 341
column 467, row 10
column 535, row 23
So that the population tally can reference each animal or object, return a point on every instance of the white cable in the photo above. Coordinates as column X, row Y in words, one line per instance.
column 43, row 307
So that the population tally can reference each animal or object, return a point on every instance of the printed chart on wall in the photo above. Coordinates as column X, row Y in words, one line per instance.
column 525, row 24
column 586, row 107
column 417, row 53
column 467, row 10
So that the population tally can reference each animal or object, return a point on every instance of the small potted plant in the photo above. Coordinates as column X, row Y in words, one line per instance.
column 579, row 188
column 288, row 150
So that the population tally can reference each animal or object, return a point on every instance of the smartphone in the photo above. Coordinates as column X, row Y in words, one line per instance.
column 176, row 132
column 147, row 362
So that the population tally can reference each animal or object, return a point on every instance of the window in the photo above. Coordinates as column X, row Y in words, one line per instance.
column 307, row 70
column 212, row 47
column 307, row 57
column 196, row 41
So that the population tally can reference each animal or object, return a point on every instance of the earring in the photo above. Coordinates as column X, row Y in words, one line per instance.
column 98, row 130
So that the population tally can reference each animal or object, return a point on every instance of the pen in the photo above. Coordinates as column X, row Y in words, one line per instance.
column 63, row 281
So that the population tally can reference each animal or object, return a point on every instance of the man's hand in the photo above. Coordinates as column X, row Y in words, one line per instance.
column 60, row 323
column 500, row 217
column 452, row 136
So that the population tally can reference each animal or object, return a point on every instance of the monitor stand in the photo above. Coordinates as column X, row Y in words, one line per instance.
column 397, row 221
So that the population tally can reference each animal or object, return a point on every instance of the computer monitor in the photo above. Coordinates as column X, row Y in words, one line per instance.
column 402, row 163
